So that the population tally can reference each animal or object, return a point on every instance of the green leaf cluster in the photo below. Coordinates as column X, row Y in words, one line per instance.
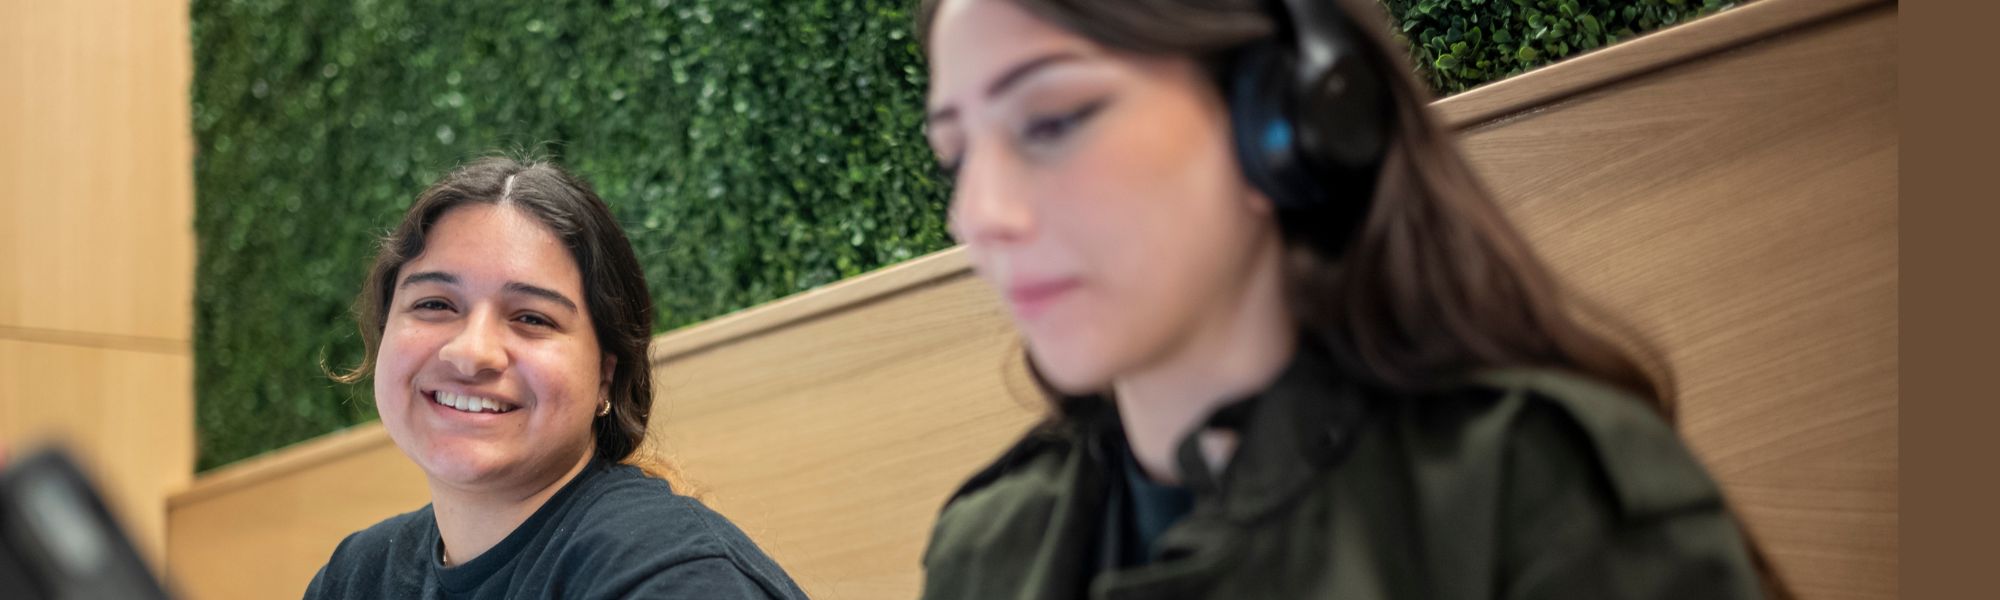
column 1457, row 45
column 751, row 148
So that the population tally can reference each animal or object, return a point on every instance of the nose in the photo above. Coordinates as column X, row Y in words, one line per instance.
column 478, row 347
column 987, row 207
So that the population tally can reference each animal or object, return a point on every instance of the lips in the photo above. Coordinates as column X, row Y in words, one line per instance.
column 471, row 404
column 1033, row 297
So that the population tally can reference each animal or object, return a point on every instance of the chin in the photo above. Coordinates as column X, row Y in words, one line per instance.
column 459, row 462
column 1070, row 371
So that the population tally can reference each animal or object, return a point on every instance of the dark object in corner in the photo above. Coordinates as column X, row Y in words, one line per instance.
column 59, row 542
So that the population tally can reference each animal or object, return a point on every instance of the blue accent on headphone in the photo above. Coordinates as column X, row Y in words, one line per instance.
column 1277, row 136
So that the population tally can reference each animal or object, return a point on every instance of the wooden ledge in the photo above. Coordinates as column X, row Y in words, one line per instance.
column 102, row 341
column 281, row 462
column 1730, row 29
column 810, row 304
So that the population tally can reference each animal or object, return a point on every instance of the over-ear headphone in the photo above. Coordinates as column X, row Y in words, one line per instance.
column 1310, row 114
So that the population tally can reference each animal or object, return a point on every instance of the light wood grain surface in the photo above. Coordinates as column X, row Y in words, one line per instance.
column 1736, row 200
column 1742, row 209
column 117, row 411
column 97, row 244
column 267, row 540
column 846, row 450
column 96, row 169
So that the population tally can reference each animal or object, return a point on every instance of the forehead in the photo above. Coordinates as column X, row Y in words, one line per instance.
column 973, row 41
column 490, row 240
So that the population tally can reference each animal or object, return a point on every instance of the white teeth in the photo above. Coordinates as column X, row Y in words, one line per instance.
column 471, row 404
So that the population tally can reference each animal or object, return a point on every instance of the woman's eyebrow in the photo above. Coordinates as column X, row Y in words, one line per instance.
column 423, row 276
column 1028, row 67
column 1013, row 76
column 514, row 287
column 541, row 292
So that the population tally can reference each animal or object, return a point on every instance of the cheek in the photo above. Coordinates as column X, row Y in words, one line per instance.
column 1156, row 217
column 565, row 378
column 399, row 356
column 1145, row 196
column 1154, row 207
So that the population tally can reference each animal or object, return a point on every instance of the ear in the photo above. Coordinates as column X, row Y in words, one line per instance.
column 610, row 365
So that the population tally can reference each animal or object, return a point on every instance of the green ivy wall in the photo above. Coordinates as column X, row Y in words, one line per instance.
column 752, row 148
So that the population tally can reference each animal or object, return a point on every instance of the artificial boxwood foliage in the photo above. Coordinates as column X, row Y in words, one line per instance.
column 752, row 149
column 1460, row 44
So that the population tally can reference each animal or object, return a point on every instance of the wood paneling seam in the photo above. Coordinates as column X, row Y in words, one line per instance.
column 104, row 341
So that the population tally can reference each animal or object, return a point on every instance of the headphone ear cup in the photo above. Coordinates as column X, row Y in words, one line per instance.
column 1261, row 125
column 1347, row 126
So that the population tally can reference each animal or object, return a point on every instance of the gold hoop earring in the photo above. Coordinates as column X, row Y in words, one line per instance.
column 605, row 409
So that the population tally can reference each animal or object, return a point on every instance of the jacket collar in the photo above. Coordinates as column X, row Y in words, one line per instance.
column 1288, row 434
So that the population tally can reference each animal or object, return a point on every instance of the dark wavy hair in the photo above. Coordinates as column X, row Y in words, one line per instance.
column 614, row 286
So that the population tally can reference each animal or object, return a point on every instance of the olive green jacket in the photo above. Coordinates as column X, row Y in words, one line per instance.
column 1527, row 484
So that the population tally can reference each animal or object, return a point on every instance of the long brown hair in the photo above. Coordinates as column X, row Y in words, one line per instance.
column 1434, row 283
column 614, row 285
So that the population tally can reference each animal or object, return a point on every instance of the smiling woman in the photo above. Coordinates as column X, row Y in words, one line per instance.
column 507, row 323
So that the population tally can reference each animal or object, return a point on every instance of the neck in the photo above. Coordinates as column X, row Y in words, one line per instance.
column 1239, row 349
column 472, row 521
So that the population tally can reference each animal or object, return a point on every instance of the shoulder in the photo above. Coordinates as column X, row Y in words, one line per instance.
column 1042, row 464
column 1597, row 491
column 366, row 560
column 1560, row 427
column 624, row 507
column 1009, row 504
column 1035, row 463
column 402, row 534
column 1585, row 487
column 638, row 528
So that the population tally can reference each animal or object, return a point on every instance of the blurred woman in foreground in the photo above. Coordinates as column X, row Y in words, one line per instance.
column 1294, row 348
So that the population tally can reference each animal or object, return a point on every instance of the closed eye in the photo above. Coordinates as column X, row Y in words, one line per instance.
column 1044, row 130
column 430, row 304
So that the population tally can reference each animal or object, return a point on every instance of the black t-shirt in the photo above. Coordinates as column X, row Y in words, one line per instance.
column 611, row 532
column 1137, row 510
column 1150, row 508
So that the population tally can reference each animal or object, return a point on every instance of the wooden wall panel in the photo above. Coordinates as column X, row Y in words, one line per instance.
column 116, row 409
column 1739, row 206
column 96, row 169
column 1745, row 215
column 837, row 457
column 266, row 539
column 97, row 243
